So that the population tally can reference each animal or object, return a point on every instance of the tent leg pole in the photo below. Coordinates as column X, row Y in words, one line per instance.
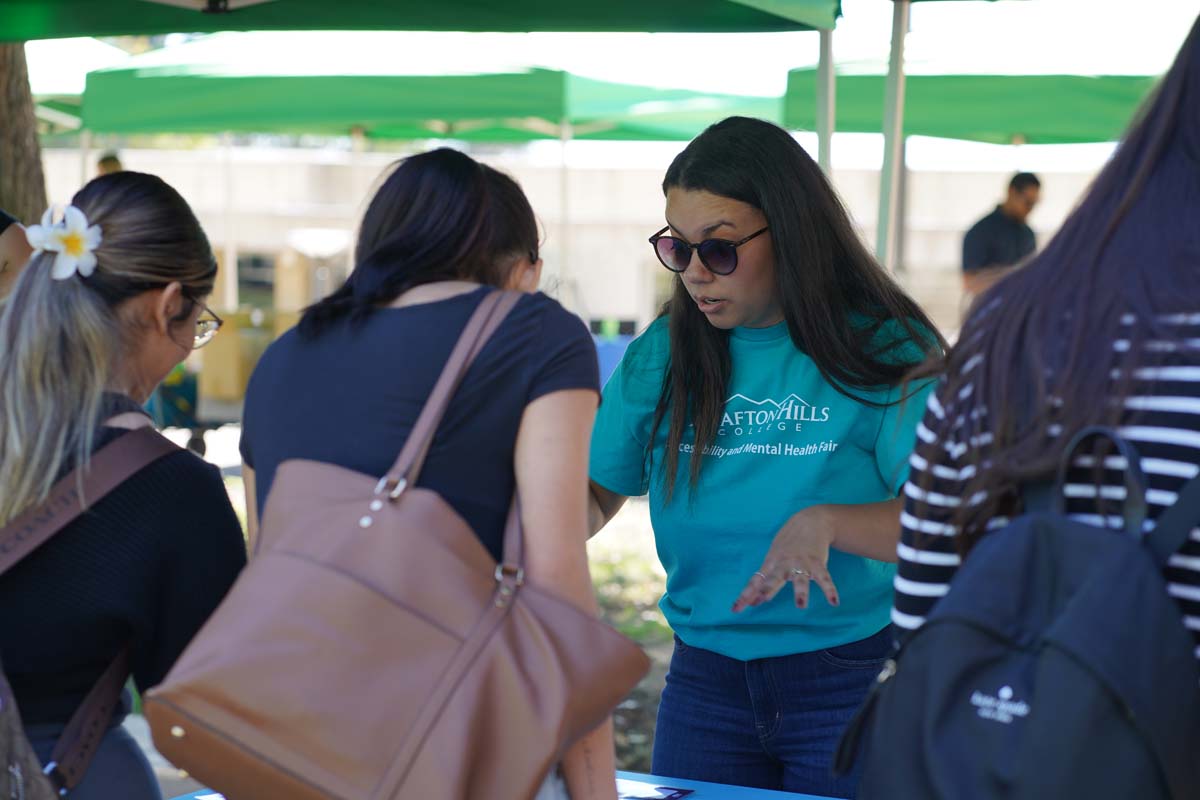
column 901, row 236
column 826, row 103
column 85, row 154
column 228, row 298
column 893, row 133
column 569, row 293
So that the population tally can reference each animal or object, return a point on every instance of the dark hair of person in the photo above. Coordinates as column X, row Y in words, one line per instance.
column 6, row 220
column 836, row 298
column 1044, row 338
column 1024, row 180
column 438, row 216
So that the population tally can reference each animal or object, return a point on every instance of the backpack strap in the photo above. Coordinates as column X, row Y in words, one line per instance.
column 108, row 468
column 1175, row 524
column 1134, row 509
column 479, row 329
column 80, row 739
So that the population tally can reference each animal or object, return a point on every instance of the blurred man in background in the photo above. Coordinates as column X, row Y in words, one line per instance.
column 1000, row 241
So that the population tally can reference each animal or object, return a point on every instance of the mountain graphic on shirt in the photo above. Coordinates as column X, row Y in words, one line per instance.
column 741, row 410
column 791, row 398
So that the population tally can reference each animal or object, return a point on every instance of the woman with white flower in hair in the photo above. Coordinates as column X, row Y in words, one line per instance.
column 111, row 301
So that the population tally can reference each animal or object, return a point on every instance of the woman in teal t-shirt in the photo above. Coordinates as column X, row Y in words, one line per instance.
column 765, row 414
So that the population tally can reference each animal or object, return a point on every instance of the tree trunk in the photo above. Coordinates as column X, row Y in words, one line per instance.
column 22, row 183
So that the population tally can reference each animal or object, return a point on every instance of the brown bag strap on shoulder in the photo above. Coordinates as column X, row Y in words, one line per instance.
column 514, row 545
column 479, row 329
column 111, row 466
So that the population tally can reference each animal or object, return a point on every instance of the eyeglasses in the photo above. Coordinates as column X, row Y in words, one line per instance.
column 206, row 328
column 719, row 256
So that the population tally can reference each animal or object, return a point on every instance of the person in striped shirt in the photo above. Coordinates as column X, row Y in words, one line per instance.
column 1103, row 327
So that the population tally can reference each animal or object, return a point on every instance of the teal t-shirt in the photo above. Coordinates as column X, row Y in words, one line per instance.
column 788, row 440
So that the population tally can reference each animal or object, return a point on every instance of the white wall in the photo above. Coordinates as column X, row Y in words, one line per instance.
column 611, row 270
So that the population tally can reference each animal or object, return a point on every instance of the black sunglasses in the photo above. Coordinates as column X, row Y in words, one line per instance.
column 719, row 256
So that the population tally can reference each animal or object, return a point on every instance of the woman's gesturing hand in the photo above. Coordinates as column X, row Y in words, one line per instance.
column 799, row 555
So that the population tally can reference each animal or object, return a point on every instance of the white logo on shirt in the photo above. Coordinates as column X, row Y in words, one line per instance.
column 1000, row 707
column 746, row 415
column 752, row 421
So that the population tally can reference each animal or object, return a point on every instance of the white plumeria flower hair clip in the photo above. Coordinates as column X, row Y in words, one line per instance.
column 71, row 238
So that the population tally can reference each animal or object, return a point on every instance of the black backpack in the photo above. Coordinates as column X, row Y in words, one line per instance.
column 1056, row 667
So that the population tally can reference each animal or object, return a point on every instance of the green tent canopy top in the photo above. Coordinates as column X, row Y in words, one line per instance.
column 389, row 85
column 57, row 70
column 1000, row 109
column 46, row 19
column 980, row 90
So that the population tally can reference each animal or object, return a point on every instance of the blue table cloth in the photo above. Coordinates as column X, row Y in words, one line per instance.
column 635, row 786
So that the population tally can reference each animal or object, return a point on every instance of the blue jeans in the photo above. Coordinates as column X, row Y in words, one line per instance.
column 772, row 723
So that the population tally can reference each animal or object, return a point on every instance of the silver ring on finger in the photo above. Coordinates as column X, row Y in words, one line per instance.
column 759, row 574
column 799, row 573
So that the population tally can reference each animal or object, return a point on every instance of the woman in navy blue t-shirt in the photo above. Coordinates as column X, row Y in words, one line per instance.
column 345, row 387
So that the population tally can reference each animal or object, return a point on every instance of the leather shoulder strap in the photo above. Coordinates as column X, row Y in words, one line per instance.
column 81, row 738
column 480, row 327
column 1175, row 524
column 514, row 536
column 108, row 468
column 111, row 466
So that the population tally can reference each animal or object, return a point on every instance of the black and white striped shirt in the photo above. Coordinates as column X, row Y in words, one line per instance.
column 1162, row 420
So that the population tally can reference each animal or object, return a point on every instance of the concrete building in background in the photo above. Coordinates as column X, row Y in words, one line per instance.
column 277, row 203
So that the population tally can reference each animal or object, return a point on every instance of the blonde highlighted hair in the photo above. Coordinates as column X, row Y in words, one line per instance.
column 61, row 341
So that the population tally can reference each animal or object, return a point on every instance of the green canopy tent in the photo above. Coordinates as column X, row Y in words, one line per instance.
column 386, row 85
column 943, row 101
column 955, row 101
column 22, row 20
column 1018, row 84
column 57, row 71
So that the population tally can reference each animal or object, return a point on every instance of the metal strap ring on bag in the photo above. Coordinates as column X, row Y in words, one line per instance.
column 393, row 492
column 508, row 571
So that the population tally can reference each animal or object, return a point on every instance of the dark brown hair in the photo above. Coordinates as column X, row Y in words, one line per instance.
column 439, row 216
column 837, row 301
column 1042, row 340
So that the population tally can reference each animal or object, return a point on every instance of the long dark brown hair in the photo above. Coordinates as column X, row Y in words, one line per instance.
column 835, row 296
column 439, row 216
column 1042, row 340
